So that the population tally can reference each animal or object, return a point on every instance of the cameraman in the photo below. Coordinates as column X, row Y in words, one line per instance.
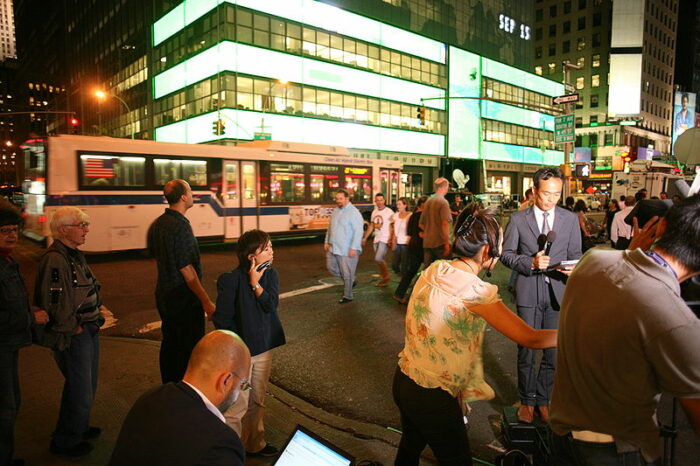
column 625, row 337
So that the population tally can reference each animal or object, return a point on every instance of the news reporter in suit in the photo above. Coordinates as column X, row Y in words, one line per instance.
column 183, row 423
column 540, row 291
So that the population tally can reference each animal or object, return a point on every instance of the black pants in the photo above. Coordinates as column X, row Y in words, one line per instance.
column 414, row 259
column 183, row 326
column 429, row 416
column 535, row 383
column 9, row 403
column 566, row 451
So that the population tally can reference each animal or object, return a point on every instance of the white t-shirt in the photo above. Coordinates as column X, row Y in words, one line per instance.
column 381, row 219
column 400, row 228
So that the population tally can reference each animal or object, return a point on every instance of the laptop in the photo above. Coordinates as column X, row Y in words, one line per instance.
column 304, row 448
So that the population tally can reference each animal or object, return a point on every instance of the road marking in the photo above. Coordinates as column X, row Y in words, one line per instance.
column 151, row 326
column 308, row 289
column 110, row 320
column 289, row 294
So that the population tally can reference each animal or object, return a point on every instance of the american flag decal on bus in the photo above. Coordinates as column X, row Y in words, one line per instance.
column 99, row 168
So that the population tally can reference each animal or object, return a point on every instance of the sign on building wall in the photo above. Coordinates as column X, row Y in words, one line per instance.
column 683, row 114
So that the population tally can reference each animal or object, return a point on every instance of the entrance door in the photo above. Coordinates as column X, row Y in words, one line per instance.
column 232, row 199
column 249, row 200
column 390, row 185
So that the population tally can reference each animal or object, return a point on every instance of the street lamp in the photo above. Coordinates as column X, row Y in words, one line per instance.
column 103, row 95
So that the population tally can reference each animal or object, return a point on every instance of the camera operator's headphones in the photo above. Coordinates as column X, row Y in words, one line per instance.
column 466, row 228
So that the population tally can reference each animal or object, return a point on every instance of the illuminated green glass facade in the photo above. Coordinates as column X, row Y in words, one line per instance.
column 307, row 71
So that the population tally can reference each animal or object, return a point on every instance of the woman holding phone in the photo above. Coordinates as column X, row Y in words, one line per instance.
column 246, row 304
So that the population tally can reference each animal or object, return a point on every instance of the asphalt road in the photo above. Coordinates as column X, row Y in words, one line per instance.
column 340, row 358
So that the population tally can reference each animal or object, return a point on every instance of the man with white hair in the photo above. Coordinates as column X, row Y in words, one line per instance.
column 181, row 424
column 69, row 291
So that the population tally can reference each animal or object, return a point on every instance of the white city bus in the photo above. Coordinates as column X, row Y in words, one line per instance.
column 282, row 188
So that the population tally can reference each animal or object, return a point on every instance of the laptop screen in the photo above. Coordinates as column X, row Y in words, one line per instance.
column 304, row 447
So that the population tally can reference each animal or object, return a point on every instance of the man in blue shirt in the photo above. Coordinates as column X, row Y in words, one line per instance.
column 343, row 242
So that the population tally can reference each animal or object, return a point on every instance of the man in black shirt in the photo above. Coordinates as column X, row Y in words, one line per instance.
column 180, row 297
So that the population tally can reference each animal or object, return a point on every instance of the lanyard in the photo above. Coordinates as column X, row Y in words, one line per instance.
column 662, row 262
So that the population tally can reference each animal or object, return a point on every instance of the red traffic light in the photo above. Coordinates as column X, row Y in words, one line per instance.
column 74, row 121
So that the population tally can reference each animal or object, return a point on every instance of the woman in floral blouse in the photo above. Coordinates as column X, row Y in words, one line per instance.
column 440, row 368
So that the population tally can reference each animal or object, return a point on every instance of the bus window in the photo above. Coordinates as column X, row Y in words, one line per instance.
column 324, row 180
column 192, row 171
column 231, row 193
column 287, row 182
column 112, row 171
column 248, row 179
column 358, row 183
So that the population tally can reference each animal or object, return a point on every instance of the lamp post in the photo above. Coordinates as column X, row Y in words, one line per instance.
column 102, row 95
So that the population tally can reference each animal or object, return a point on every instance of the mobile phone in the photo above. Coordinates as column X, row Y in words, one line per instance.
column 263, row 266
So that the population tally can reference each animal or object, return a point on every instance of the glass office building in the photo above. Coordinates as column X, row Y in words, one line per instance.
column 308, row 71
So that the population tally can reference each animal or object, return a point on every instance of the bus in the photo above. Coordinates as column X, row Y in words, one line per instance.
column 283, row 188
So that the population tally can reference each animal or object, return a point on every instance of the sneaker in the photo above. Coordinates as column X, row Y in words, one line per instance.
column 344, row 300
column 92, row 433
column 269, row 450
column 81, row 449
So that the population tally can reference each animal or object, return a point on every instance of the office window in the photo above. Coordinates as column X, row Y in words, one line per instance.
column 552, row 50
column 566, row 46
column 580, row 43
column 553, row 11
column 579, row 123
column 593, row 119
column 596, row 39
column 594, row 101
column 538, row 34
column 566, row 27
column 552, row 68
column 597, row 19
column 538, row 52
column 580, row 61
column 567, row 7
column 580, row 84
column 582, row 23
column 595, row 80
column 538, row 70
column 581, row 4
column 538, row 15
column 552, row 30
column 595, row 63
column 608, row 139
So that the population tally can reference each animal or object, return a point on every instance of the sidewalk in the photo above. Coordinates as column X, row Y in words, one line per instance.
column 128, row 367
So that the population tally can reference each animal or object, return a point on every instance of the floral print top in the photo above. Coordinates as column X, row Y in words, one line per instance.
column 443, row 337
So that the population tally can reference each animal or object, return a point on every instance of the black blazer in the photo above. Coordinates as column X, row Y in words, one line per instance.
column 171, row 425
column 253, row 318
column 520, row 246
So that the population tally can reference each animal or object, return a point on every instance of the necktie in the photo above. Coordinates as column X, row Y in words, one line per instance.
column 545, row 225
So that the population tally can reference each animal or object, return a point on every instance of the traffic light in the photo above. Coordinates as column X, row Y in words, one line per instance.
column 218, row 127
column 583, row 170
column 420, row 114
column 74, row 123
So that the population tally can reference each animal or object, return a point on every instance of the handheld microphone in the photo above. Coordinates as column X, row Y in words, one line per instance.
column 541, row 242
column 551, row 236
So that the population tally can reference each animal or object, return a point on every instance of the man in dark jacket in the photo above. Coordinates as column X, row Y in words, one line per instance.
column 15, row 323
column 182, row 423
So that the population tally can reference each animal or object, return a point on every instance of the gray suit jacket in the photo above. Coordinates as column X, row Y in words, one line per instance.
column 520, row 246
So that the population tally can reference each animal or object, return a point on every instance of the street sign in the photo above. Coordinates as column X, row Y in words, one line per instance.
column 262, row 136
column 564, row 129
column 565, row 99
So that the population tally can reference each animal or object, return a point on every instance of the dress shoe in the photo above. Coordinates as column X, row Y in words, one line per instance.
column 344, row 300
column 526, row 414
column 81, row 449
column 269, row 450
column 354, row 283
column 92, row 433
column 543, row 412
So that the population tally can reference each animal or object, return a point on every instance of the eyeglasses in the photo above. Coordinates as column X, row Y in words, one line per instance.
column 245, row 383
column 9, row 230
column 78, row 225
